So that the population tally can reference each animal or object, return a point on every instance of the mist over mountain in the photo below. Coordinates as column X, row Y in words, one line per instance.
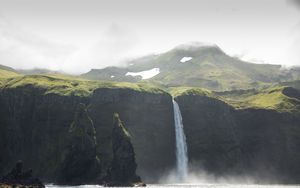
column 197, row 65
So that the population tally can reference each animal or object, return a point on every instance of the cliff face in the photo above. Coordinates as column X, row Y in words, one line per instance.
column 148, row 118
column 34, row 128
column 40, row 128
column 255, row 142
column 60, row 135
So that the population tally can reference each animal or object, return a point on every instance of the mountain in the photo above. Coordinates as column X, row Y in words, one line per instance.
column 7, row 72
column 198, row 66
column 37, row 71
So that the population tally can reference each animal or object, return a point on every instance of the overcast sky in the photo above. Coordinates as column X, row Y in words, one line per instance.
column 77, row 35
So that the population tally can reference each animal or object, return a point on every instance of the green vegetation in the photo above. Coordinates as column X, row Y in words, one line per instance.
column 265, row 96
column 209, row 68
column 117, row 121
column 180, row 91
column 6, row 73
column 273, row 98
column 68, row 85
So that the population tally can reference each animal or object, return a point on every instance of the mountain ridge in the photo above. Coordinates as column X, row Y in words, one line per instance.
column 198, row 66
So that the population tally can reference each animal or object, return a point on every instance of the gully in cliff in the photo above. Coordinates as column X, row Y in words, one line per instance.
column 17, row 178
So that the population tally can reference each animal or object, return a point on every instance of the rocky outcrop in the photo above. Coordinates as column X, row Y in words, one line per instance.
column 256, row 143
column 123, row 166
column 149, row 119
column 80, row 163
column 19, row 178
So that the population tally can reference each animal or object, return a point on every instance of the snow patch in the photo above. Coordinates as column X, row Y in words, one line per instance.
column 185, row 59
column 145, row 74
column 112, row 76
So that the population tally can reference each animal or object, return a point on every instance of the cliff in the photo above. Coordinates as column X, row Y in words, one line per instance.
column 42, row 124
column 62, row 128
column 227, row 138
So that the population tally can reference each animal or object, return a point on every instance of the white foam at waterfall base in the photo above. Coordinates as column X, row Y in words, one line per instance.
column 181, row 146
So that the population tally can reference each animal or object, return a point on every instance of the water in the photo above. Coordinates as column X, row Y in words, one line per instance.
column 181, row 147
column 190, row 186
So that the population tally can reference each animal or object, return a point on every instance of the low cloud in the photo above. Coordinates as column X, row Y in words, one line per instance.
column 111, row 48
column 295, row 34
column 24, row 50
column 295, row 3
column 21, row 49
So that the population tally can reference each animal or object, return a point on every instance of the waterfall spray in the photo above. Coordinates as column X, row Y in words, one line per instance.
column 181, row 147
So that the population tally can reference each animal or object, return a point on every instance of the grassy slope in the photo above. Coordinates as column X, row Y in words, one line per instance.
column 273, row 98
column 210, row 68
column 6, row 73
column 68, row 85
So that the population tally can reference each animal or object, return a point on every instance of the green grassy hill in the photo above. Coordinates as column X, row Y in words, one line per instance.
column 6, row 73
column 71, row 85
column 209, row 68
column 278, row 98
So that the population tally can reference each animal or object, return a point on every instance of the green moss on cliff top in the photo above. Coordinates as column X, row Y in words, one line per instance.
column 6, row 73
column 179, row 91
column 274, row 98
column 69, row 85
column 279, row 98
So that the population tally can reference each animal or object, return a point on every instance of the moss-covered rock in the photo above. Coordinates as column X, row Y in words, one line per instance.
column 123, row 167
column 80, row 162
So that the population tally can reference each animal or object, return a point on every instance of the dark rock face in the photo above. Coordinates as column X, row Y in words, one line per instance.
column 16, row 177
column 80, row 164
column 211, row 137
column 35, row 127
column 123, row 166
column 149, row 119
column 252, row 142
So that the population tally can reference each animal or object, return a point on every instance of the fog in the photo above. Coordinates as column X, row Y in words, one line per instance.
column 74, row 36
column 200, row 176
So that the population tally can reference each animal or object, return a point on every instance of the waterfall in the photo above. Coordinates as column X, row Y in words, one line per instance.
column 181, row 147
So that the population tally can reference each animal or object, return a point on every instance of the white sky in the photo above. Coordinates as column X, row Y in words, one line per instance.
column 77, row 35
